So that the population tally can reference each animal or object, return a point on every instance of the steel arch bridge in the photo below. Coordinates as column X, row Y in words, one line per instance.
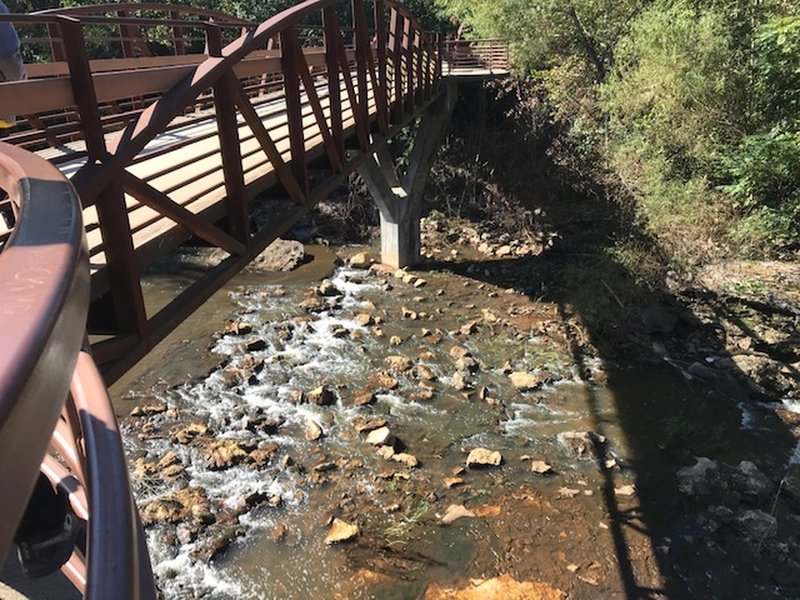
column 142, row 126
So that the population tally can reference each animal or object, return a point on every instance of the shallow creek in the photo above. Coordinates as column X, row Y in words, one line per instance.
column 561, row 529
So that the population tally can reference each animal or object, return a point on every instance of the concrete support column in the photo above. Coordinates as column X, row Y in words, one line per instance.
column 400, row 203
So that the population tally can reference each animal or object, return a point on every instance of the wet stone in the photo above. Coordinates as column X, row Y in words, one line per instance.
column 238, row 328
column 405, row 459
column 255, row 344
column 481, row 457
column 148, row 409
column 382, row 381
column 363, row 425
column 363, row 398
column 323, row 395
column 362, row 260
column 582, row 443
column 455, row 512
column 525, row 381
column 380, row 436
column 261, row 456
column 313, row 431
column 398, row 364
column 188, row 504
column 186, row 434
column 341, row 531
column 327, row 288
column 225, row 453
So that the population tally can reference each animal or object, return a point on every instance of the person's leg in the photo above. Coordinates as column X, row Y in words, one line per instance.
column 11, row 69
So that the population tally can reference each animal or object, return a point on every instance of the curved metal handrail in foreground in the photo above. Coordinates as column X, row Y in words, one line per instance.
column 44, row 282
column 50, row 390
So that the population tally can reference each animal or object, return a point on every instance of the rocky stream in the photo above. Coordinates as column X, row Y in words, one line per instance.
column 348, row 431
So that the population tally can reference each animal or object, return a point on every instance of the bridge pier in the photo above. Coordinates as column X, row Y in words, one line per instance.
column 400, row 201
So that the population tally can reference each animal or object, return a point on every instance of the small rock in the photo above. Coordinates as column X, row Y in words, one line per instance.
column 395, row 340
column 363, row 397
column 524, row 381
column 364, row 319
column 458, row 382
column 582, row 443
column 407, row 460
column 481, row 457
column 697, row 479
column 238, row 328
column 450, row 482
column 313, row 431
column 382, row 381
column 424, row 373
column 151, row 408
column 409, row 314
column 188, row 504
column 398, row 364
column 255, row 344
column 362, row 260
column 566, row 492
column 380, row 436
column 455, row 512
column 323, row 395
column 421, row 395
column 363, row 425
column 386, row 452
column 541, row 467
column 224, row 453
column 625, row 490
column 328, row 289
column 757, row 526
column 185, row 434
column 341, row 531
column 278, row 533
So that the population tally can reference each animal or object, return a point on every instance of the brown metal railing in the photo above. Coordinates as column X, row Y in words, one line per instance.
column 465, row 56
column 55, row 414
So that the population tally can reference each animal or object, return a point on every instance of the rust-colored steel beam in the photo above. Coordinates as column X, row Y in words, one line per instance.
column 230, row 145
column 294, row 107
column 332, row 39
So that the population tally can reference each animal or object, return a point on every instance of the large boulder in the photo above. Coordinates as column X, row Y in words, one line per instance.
column 280, row 255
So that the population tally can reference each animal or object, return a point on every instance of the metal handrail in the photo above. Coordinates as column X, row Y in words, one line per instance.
column 51, row 393
column 44, row 278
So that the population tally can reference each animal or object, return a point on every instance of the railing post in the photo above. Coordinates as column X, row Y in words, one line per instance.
column 112, row 214
column 332, row 40
column 178, row 42
column 408, row 40
column 229, row 145
column 420, row 85
column 294, row 108
column 56, row 43
column 439, row 56
column 397, row 60
column 126, row 33
column 362, row 64
column 382, row 93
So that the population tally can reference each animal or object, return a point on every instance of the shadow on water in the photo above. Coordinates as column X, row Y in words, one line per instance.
column 667, row 416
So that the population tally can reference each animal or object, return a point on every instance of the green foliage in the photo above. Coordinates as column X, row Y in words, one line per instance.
column 777, row 69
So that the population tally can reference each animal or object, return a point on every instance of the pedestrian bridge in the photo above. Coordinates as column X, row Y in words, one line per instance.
column 142, row 126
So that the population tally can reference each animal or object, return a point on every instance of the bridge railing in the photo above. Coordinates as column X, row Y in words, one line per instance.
column 463, row 56
column 56, row 420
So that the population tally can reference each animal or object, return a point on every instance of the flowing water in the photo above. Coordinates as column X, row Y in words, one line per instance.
column 402, row 546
